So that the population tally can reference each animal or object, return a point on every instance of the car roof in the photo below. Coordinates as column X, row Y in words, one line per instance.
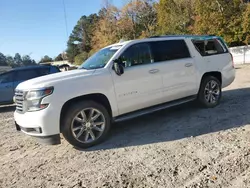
column 152, row 38
column 27, row 68
column 184, row 36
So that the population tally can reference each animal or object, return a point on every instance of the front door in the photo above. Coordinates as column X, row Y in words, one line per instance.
column 141, row 85
column 6, row 87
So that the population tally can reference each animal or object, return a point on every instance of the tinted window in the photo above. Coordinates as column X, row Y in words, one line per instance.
column 54, row 69
column 6, row 78
column 43, row 71
column 210, row 47
column 136, row 55
column 26, row 74
column 169, row 50
column 200, row 46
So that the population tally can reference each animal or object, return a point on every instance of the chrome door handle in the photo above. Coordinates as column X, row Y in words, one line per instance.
column 188, row 64
column 153, row 71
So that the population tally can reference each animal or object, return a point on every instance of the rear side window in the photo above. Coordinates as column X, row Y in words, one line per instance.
column 43, row 71
column 209, row 47
column 200, row 47
column 169, row 50
column 23, row 75
column 54, row 69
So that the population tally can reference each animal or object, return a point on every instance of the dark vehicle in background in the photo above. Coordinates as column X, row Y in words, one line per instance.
column 10, row 79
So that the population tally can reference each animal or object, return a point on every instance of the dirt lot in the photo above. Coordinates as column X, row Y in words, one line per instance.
column 180, row 147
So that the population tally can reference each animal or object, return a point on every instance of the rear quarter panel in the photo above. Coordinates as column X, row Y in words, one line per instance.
column 219, row 63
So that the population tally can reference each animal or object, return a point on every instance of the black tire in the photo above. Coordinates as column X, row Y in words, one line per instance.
column 72, row 112
column 202, row 97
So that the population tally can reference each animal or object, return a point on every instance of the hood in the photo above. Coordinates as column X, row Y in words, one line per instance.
column 51, row 79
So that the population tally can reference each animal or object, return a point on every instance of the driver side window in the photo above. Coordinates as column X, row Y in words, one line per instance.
column 137, row 54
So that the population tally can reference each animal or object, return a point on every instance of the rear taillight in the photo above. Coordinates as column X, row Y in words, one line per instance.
column 232, row 59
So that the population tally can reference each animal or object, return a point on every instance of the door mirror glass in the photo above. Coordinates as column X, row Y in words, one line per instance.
column 118, row 67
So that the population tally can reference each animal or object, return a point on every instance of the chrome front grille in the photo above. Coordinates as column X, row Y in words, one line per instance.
column 19, row 99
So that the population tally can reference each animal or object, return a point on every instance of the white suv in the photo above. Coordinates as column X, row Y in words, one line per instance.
column 122, row 81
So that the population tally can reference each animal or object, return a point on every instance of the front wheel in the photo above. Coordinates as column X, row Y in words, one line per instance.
column 210, row 92
column 86, row 124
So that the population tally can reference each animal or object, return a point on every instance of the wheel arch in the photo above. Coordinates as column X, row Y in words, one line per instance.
column 97, row 97
column 201, row 94
column 216, row 74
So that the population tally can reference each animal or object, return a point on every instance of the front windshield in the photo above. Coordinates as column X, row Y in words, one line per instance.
column 99, row 59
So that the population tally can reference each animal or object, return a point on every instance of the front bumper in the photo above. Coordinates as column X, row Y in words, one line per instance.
column 48, row 140
column 48, row 120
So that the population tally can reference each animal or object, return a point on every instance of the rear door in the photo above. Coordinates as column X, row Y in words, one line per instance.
column 6, row 87
column 176, row 67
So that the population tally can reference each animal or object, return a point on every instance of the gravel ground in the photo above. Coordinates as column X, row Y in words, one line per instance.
column 180, row 147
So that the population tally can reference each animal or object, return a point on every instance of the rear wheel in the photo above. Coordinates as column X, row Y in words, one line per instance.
column 86, row 124
column 210, row 92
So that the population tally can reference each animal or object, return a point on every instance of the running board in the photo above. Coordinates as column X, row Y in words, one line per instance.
column 149, row 110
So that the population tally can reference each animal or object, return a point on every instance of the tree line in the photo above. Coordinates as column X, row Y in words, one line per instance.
column 25, row 60
column 59, row 57
column 16, row 61
column 144, row 18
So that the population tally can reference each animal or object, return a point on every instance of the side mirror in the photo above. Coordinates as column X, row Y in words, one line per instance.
column 118, row 67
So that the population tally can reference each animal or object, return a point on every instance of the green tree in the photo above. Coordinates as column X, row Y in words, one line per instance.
column 3, row 60
column 10, row 61
column 46, row 59
column 144, row 18
column 137, row 19
column 34, row 62
column 147, row 18
column 59, row 58
column 72, row 51
column 82, row 34
column 80, row 58
column 175, row 16
column 106, row 31
column 220, row 17
column 18, row 60
column 246, row 24
column 27, row 60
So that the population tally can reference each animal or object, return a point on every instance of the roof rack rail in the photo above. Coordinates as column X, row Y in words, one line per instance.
column 163, row 36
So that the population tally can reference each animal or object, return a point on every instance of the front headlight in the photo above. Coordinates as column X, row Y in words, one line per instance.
column 34, row 98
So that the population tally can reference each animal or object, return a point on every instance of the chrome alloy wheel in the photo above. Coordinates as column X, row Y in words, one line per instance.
column 212, row 92
column 88, row 125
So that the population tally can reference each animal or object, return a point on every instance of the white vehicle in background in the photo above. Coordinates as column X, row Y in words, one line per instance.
column 120, row 82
